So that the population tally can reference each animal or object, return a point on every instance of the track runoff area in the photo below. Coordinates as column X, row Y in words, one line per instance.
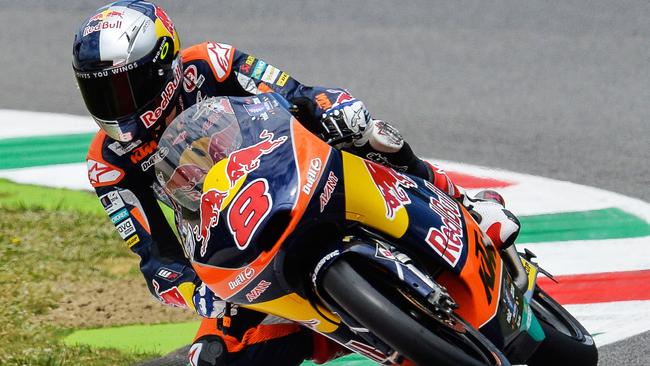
column 593, row 241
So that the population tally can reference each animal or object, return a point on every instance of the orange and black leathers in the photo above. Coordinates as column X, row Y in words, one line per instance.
column 123, row 174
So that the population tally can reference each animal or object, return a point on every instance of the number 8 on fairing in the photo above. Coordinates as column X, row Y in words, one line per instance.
column 248, row 210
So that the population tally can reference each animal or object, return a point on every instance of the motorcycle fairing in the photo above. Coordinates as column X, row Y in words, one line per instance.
column 303, row 149
column 473, row 275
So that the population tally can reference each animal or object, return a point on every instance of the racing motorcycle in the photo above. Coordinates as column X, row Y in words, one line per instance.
column 276, row 220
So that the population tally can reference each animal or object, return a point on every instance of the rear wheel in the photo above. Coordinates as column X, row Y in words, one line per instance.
column 406, row 322
column 567, row 341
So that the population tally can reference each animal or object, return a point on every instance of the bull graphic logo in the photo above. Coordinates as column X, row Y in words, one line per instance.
column 246, row 160
column 211, row 205
column 390, row 185
column 105, row 15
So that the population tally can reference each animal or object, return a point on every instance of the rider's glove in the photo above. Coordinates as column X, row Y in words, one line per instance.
column 206, row 303
column 488, row 209
column 345, row 122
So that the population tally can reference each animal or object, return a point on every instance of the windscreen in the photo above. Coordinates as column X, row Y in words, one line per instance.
column 196, row 140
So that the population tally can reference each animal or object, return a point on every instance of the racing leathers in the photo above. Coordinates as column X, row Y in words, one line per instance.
column 123, row 177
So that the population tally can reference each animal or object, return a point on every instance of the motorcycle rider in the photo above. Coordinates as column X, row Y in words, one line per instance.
column 134, row 79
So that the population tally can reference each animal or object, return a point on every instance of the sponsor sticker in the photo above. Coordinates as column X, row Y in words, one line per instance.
column 329, row 188
column 247, row 160
column 120, row 150
column 125, row 228
column 103, row 15
column 111, row 202
column 258, row 290
column 168, row 274
column 271, row 74
column 323, row 101
column 390, row 185
column 155, row 158
column 282, row 80
column 164, row 19
column 247, row 83
column 246, row 66
column 135, row 239
column 260, row 109
column 101, row 26
column 260, row 66
column 175, row 296
column 313, row 174
column 100, row 174
column 192, row 79
column 143, row 151
column 150, row 117
column 120, row 215
column 320, row 264
column 243, row 277
column 446, row 240
column 220, row 56
column 384, row 253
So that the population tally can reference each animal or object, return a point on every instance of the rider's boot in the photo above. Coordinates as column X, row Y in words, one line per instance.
column 208, row 350
column 488, row 210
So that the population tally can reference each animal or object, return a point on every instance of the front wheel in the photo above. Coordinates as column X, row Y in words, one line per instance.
column 399, row 319
column 567, row 342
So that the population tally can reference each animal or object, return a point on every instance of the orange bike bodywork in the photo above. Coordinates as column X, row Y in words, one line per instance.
column 363, row 204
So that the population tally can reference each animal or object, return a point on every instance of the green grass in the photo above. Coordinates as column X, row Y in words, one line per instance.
column 157, row 338
column 50, row 237
column 24, row 196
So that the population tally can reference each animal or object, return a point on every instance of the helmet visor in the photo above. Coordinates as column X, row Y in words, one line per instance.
column 121, row 91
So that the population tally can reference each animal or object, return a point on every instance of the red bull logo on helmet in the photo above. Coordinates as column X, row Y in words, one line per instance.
column 105, row 20
column 150, row 117
column 164, row 19
column 105, row 15
column 390, row 185
column 246, row 160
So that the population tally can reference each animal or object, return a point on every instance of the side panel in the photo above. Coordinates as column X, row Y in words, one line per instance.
column 432, row 228
column 295, row 308
column 477, row 289
column 367, row 204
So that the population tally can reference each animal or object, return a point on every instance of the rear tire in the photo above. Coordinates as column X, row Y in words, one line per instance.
column 374, row 307
column 567, row 341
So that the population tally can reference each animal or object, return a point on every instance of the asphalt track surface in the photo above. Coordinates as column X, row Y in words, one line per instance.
column 551, row 88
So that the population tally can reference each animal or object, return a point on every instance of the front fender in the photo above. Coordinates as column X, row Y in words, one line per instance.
column 375, row 255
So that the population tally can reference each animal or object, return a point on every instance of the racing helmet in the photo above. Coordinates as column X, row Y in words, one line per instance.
column 128, row 68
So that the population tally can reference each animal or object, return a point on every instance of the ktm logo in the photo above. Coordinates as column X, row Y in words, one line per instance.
column 143, row 151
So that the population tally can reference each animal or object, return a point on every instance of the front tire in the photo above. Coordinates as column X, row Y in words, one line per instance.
column 567, row 342
column 374, row 306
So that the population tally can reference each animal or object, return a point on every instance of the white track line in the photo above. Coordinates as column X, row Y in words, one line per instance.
column 73, row 176
column 538, row 195
column 23, row 124
column 613, row 320
column 592, row 256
